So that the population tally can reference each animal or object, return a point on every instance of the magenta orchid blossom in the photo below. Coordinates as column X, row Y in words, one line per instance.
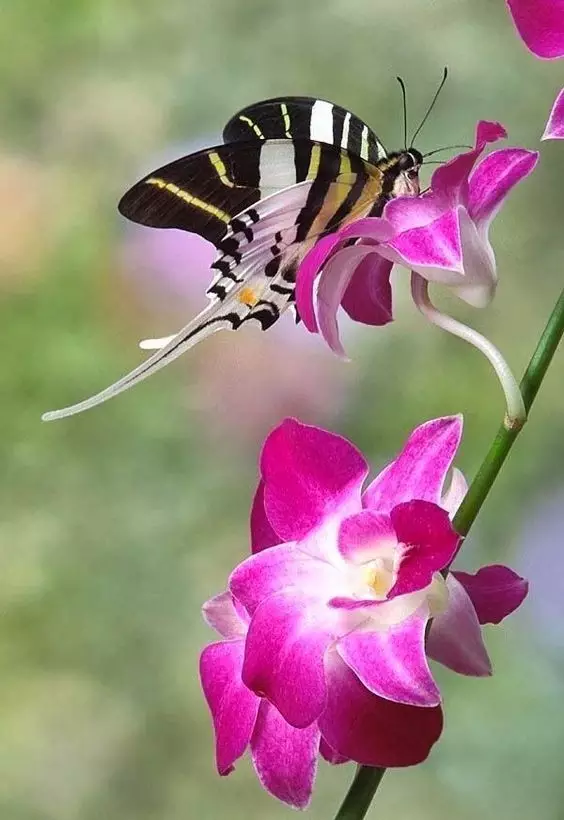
column 327, row 626
column 540, row 24
column 555, row 126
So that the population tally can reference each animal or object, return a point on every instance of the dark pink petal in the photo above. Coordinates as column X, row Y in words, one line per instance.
column 541, row 25
column 286, row 643
column 333, row 283
column 330, row 755
column 285, row 758
column 455, row 636
column 451, row 179
column 493, row 179
column 309, row 474
column 420, row 469
column 368, row 297
column 430, row 544
column 226, row 615
column 278, row 568
column 433, row 250
column 555, row 126
column 262, row 534
column 407, row 212
column 373, row 731
column 360, row 534
column 496, row 591
column 233, row 707
column 306, row 275
column 391, row 663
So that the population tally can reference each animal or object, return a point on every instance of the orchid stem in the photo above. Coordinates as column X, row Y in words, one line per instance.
column 367, row 779
column 516, row 413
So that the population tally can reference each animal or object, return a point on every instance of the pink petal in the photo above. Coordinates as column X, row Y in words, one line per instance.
column 452, row 498
column 226, row 615
column 430, row 544
column 407, row 212
column 420, row 469
column 262, row 534
column 330, row 755
column 373, row 731
column 391, row 663
column 368, row 297
column 285, row 759
column 433, row 250
column 451, row 179
column 333, row 283
column 306, row 275
column 360, row 534
column 278, row 568
column 285, row 648
column 493, row 179
column 555, row 126
column 233, row 707
column 496, row 591
column 309, row 475
column 478, row 286
column 455, row 637
column 541, row 26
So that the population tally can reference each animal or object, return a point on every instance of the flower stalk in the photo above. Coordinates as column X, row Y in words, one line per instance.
column 367, row 779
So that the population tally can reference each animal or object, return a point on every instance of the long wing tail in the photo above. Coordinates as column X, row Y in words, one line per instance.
column 207, row 322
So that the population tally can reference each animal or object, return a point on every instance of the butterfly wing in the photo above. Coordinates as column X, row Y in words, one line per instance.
column 294, row 118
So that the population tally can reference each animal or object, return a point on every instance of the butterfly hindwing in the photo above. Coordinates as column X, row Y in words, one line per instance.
column 295, row 118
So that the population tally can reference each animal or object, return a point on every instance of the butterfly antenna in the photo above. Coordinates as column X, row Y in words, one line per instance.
column 433, row 101
column 447, row 148
column 404, row 98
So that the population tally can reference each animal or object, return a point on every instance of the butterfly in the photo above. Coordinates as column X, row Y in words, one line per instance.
column 291, row 170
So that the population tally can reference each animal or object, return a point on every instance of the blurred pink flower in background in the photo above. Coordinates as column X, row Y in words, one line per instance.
column 540, row 24
column 554, row 129
column 327, row 626
column 241, row 386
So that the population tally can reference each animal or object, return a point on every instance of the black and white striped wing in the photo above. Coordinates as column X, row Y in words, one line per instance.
column 295, row 118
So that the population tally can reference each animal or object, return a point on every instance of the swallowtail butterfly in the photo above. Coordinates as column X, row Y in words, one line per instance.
column 291, row 170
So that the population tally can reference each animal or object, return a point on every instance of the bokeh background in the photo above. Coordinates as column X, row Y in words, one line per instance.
column 116, row 525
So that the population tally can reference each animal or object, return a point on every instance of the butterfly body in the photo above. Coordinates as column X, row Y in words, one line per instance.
column 291, row 170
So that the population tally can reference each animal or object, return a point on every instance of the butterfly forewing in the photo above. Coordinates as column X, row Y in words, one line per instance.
column 295, row 118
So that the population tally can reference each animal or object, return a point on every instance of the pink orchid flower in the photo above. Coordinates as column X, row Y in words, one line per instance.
column 555, row 126
column 540, row 24
column 441, row 235
column 326, row 627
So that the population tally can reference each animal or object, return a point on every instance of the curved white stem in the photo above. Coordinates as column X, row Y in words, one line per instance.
column 516, row 413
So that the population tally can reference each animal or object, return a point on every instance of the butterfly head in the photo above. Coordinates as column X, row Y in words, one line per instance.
column 408, row 165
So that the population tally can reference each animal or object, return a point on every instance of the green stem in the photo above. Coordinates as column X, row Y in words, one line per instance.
column 367, row 779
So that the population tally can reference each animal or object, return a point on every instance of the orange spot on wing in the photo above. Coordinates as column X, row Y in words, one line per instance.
column 247, row 296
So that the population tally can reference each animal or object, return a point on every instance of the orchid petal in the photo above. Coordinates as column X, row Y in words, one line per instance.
column 452, row 498
column 407, row 212
column 262, row 534
column 233, row 707
column 420, row 469
column 555, row 126
column 455, row 637
column 478, row 286
column 309, row 474
column 278, row 568
column 392, row 663
column 361, row 534
column 286, row 643
column 333, row 283
column 285, row 759
column 330, row 755
column 495, row 591
column 433, row 250
column 306, row 275
column 493, row 179
column 540, row 25
column 368, row 297
column 373, row 731
column 430, row 544
column 226, row 615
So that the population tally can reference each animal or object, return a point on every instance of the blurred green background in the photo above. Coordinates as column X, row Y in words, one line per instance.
column 116, row 525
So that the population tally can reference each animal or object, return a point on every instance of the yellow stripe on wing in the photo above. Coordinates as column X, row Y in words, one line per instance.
column 219, row 166
column 163, row 185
